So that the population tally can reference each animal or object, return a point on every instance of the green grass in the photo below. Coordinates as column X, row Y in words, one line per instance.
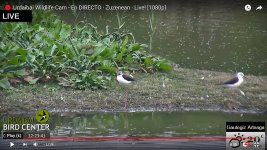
column 184, row 89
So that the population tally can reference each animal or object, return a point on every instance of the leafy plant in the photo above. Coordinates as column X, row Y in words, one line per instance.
column 74, row 56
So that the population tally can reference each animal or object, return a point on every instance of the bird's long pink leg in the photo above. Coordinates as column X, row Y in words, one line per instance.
column 126, row 97
column 233, row 100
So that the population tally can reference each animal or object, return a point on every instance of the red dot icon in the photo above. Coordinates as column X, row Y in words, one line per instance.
column 7, row 7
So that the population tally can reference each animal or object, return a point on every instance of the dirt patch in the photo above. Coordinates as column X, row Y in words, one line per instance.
column 182, row 89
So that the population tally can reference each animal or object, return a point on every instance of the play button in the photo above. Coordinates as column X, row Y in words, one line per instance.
column 11, row 144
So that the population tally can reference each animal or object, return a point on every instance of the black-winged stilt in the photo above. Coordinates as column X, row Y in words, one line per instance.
column 235, row 82
column 125, row 79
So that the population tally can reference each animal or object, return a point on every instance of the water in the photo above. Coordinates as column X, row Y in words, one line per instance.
column 166, row 124
column 210, row 35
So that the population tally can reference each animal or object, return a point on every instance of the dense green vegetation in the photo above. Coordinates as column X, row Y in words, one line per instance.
column 76, row 56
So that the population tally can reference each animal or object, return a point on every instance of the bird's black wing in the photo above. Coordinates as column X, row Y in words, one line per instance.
column 128, row 78
column 232, row 81
column 42, row 119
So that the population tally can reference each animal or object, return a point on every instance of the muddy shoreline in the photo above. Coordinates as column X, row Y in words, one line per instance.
column 180, row 90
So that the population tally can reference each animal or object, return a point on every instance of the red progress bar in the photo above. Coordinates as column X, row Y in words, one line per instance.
column 66, row 138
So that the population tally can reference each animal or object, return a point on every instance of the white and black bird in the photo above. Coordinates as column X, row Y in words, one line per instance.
column 125, row 79
column 236, row 81
column 233, row 83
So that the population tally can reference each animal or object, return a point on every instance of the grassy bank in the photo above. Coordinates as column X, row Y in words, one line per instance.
column 184, row 89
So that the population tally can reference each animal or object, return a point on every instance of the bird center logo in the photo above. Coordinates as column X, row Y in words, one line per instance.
column 42, row 116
